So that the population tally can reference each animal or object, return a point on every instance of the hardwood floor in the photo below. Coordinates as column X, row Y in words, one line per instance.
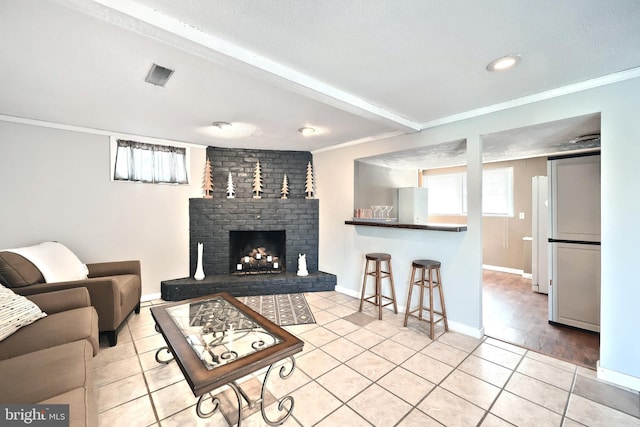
column 515, row 314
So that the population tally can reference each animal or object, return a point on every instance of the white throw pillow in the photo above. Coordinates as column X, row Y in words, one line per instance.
column 55, row 261
column 16, row 311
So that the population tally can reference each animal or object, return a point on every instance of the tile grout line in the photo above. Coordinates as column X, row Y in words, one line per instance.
column 347, row 304
column 144, row 377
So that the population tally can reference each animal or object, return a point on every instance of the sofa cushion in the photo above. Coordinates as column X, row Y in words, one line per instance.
column 17, row 271
column 41, row 375
column 79, row 324
column 55, row 261
column 83, row 410
column 16, row 312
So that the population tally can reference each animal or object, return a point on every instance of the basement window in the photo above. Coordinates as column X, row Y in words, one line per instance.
column 151, row 163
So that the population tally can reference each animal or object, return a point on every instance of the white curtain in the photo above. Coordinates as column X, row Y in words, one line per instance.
column 137, row 161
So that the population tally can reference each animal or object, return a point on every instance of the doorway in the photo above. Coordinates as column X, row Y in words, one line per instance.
column 514, row 314
column 512, row 311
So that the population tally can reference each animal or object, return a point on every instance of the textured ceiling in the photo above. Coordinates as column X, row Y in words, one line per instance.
column 355, row 70
column 556, row 137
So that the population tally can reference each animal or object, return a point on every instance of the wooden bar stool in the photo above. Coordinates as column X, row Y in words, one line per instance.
column 426, row 281
column 378, row 274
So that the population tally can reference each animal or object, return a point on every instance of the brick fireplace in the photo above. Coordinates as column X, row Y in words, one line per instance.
column 213, row 222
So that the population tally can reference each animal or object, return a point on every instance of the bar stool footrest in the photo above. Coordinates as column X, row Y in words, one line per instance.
column 367, row 299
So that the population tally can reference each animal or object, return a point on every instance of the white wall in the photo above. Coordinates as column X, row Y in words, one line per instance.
column 342, row 247
column 56, row 186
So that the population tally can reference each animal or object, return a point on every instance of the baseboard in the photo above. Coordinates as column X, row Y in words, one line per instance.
column 150, row 297
column 347, row 291
column 618, row 378
column 527, row 275
column 466, row 330
column 503, row 269
column 453, row 326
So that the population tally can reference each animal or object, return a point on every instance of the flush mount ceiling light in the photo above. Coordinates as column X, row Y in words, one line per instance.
column 221, row 125
column 306, row 131
column 226, row 130
column 504, row 63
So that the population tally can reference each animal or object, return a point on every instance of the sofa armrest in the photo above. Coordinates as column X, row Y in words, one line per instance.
column 62, row 300
column 114, row 268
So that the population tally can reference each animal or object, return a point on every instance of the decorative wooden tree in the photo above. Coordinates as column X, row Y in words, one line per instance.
column 230, row 190
column 207, row 180
column 257, row 181
column 309, row 186
column 285, row 187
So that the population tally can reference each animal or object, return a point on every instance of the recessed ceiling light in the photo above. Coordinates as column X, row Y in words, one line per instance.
column 504, row 63
column 306, row 131
column 221, row 125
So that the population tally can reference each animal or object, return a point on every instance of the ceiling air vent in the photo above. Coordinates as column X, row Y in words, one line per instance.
column 158, row 75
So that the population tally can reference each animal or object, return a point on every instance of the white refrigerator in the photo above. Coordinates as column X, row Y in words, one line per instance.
column 574, row 241
column 539, row 236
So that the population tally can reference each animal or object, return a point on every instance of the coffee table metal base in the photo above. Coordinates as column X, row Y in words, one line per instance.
column 285, row 404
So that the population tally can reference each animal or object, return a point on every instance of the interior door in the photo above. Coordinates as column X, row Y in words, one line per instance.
column 539, row 244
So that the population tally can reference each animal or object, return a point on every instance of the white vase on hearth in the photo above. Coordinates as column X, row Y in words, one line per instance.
column 302, row 265
column 199, row 274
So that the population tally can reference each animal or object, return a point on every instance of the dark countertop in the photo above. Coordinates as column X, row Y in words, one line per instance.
column 432, row 227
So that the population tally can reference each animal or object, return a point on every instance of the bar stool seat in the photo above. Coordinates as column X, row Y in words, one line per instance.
column 426, row 267
column 378, row 273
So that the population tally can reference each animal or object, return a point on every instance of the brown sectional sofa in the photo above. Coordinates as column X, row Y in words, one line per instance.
column 115, row 288
column 50, row 360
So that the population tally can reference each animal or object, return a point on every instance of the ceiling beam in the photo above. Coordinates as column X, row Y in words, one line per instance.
column 151, row 23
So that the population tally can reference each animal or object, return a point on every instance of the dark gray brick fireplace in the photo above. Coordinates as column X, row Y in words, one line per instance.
column 212, row 220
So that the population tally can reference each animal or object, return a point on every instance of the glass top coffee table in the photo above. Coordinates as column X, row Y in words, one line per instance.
column 216, row 340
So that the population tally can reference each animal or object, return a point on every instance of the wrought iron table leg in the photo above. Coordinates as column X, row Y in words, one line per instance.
column 214, row 401
column 164, row 361
column 282, row 403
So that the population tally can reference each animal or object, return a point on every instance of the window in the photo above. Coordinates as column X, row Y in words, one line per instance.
column 448, row 193
column 142, row 162
column 497, row 192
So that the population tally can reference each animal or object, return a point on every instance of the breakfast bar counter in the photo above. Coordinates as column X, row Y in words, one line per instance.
column 388, row 224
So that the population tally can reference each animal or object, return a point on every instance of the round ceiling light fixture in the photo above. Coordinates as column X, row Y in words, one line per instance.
column 307, row 131
column 226, row 130
column 221, row 125
column 504, row 63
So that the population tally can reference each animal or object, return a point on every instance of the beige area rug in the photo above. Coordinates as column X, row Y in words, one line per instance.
column 281, row 309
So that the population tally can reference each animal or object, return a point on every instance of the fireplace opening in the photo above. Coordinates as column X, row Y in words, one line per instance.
column 257, row 252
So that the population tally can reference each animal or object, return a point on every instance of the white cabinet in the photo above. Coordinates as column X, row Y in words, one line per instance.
column 576, row 296
column 575, row 198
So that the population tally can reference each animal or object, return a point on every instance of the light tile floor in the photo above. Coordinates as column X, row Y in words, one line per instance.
column 358, row 371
